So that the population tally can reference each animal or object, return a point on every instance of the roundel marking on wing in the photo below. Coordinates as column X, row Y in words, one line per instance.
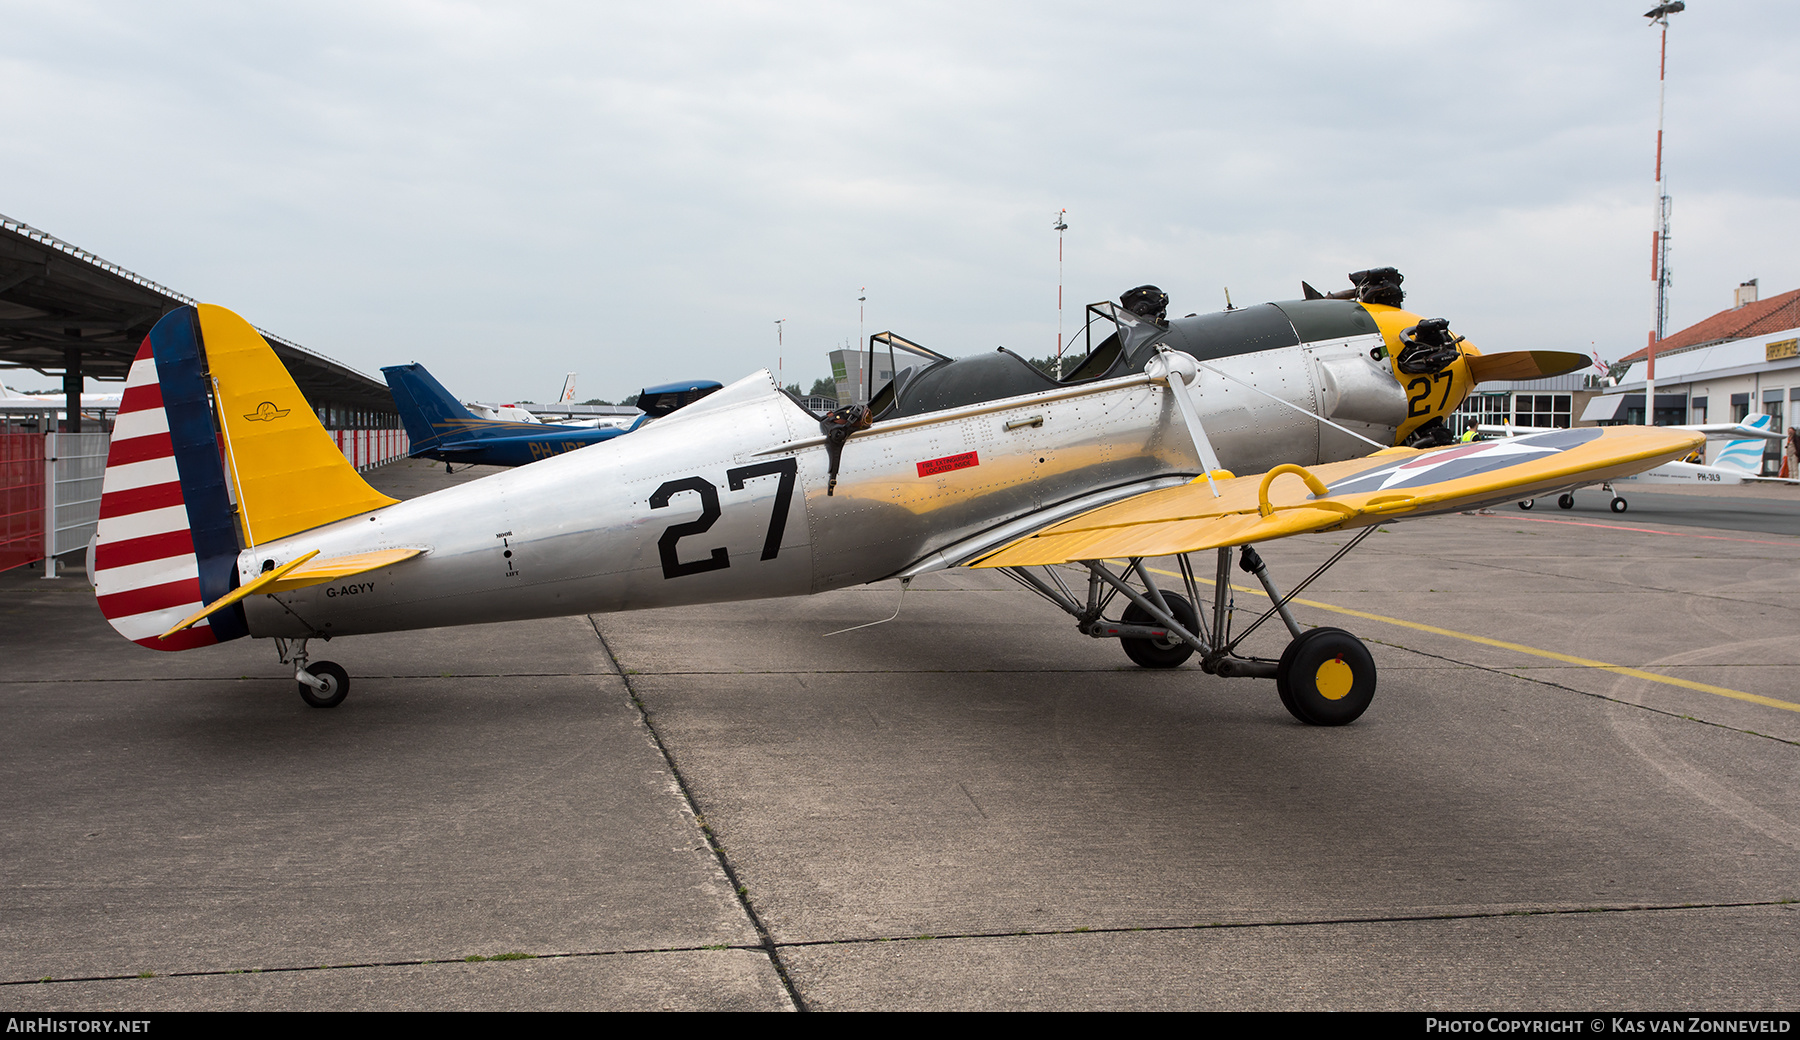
column 1465, row 461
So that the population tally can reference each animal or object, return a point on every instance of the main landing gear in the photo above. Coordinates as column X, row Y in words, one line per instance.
column 1566, row 500
column 322, row 685
column 1326, row 676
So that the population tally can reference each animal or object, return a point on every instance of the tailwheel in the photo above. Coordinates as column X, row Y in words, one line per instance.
column 1168, row 652
column 1326, row 677
column 336, row 684
column 1527, row 503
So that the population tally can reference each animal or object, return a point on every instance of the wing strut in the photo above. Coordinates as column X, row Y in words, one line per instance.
column 1179, row 371
column 1252, row 562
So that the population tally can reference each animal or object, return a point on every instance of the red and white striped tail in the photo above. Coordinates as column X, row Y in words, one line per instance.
column 146, row 573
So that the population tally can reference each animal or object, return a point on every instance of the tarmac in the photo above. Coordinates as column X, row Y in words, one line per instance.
column 1578, row 788
column 1769, row 508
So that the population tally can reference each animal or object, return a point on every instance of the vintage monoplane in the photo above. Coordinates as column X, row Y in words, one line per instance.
column 227, row 511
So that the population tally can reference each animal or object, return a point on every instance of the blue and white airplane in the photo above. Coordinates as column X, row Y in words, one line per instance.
column 441, row 427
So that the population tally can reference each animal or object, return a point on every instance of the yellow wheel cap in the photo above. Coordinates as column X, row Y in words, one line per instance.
column 1334, row 679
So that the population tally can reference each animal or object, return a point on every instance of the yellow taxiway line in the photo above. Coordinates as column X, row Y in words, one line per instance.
column 1616, row 669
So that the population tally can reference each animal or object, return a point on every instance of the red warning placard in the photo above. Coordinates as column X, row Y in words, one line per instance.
column 932, row 467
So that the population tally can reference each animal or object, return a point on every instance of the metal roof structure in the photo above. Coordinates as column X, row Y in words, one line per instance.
column 62, row 307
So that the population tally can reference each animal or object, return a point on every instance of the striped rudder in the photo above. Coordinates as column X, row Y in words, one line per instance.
column 167, row 540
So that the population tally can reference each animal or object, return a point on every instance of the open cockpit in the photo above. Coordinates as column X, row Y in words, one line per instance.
column 1116, row 339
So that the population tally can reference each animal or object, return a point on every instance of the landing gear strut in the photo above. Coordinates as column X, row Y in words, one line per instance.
column 322, row 685
column 1326, row 676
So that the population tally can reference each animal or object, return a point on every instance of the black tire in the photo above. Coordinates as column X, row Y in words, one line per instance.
column 1565, row 501
column 1618, row 505
column 1160, row 653
column 337, row 685
column 1527, row 503
column 1326, row 677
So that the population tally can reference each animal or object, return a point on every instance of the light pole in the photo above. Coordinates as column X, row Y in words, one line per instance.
column 1060, row 226
column 780, row 378
column 1659, row 232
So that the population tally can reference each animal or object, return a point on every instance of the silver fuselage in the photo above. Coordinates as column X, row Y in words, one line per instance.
column 681, row 511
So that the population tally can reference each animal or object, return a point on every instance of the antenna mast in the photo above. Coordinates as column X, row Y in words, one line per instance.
column 1659, row 232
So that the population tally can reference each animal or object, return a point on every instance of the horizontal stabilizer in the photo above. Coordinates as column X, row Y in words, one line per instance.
column 1526, row 364
column 318, row 572
column 1736, row 431
column 301, row 573
column 1392, row 484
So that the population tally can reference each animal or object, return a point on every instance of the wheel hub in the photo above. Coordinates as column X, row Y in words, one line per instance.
column 1334, row 679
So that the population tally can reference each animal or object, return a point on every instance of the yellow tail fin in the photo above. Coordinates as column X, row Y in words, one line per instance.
column 288, row 473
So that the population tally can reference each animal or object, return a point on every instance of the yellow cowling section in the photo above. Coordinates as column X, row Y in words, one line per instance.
column 1426, row 397
column 289, row 474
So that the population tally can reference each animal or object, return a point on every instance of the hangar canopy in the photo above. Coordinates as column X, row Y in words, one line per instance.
column 65, row 311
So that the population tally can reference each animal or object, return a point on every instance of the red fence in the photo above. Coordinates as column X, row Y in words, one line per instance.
column 21, row 497
column 22, row 483
column 367, row 449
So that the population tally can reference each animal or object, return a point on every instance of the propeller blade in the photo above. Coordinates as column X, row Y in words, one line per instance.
column 1525, row 364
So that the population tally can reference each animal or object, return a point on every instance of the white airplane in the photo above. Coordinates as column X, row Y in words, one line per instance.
column 226, row 511
column 97, row 401
column 517, row 413
column 503, row 412
column 1739, row 462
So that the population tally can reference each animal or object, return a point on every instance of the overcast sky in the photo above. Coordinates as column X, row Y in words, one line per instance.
column 508, row 192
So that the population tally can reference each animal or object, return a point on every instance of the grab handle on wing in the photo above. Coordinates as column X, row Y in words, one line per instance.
column 1313, row 484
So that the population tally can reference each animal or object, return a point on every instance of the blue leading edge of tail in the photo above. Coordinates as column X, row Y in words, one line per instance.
column 193, row 435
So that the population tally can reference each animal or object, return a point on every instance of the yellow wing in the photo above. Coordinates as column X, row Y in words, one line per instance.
column 1393, row 484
